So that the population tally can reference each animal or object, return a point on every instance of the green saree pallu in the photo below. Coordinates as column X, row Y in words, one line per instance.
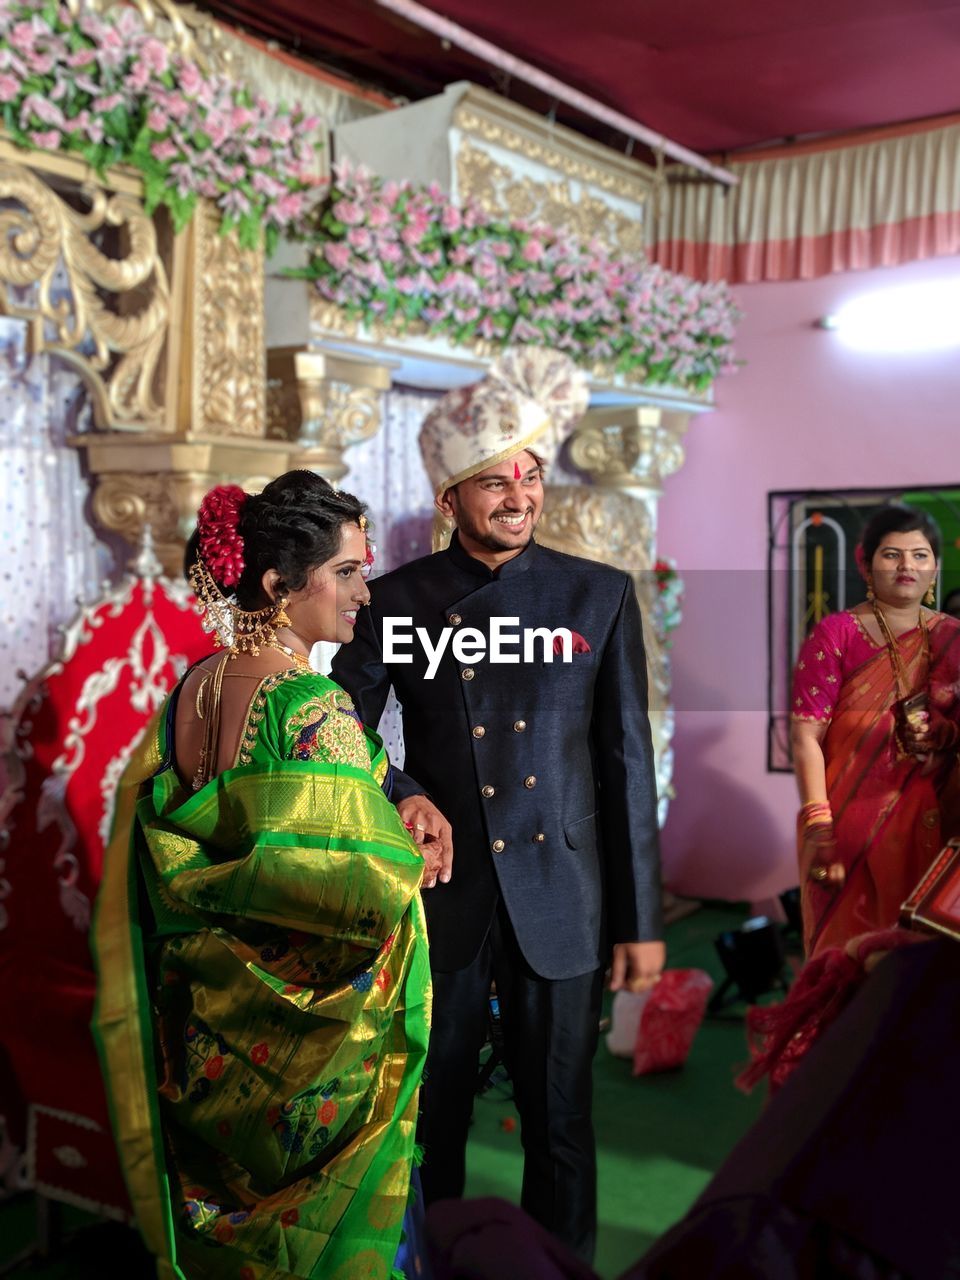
column 264, row 997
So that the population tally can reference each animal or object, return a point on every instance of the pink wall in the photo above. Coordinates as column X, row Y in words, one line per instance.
column 805, row 412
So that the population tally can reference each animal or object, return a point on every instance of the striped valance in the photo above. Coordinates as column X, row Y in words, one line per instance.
column 874, row 199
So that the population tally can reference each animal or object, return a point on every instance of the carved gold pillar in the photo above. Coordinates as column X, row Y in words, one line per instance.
column 323, row 402
column 157, row 481
column 632, row 449
column 214, row 393
column 627, row 452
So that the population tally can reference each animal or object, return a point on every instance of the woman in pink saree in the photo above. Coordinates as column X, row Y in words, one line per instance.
column 875, row 724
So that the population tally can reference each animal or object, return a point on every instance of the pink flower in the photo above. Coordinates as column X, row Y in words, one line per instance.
column 157, row 120
column 451, row 219
column 236, row 203
column 267, row 186
column 360, row 238
column 190, row 78
column 138, row 79
column 9, row 87
column 532, row 251
column 349, row 212
column 240, row 118
column 378, row 216
column 164, row 150
column 280, row 130
column 259, row 155
column 111, row 52
column 289, row 206
column 390, row 252
column 177, row 106
column 338, row 255
column 411, row 235
column 42, row 63
column 22, row 36
column 153, row 53
column 45, row 111
column 106, row 104
column 390, row 191
column 46, row 140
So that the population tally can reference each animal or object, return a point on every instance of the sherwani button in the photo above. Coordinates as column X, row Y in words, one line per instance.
column 488, row 791
column 519, row 726
column 498, row 846
column 467, row 673
column 530, row 782
column 539, row 838
column 478, row 731
column 454, row 619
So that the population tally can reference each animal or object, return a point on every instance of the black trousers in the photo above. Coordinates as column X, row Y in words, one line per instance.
column 550, row 1034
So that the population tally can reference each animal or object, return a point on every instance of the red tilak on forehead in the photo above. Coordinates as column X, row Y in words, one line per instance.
column 517, row 473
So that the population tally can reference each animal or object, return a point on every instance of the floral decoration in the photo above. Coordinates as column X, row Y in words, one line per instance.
column 667, row 605
column 221, row 546
column 104, row 87
column 409, row 258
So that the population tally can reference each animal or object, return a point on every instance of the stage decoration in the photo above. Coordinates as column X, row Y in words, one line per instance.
column 104, row 87
column 65, row 745
column 667, row 605
column 406, row 258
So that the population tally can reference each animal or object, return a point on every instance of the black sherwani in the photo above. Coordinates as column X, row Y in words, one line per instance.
column 545, row 772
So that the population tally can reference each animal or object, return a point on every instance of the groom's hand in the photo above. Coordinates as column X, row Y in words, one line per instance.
column 433, row 834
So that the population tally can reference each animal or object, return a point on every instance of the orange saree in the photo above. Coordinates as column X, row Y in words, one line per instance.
column 885, row 805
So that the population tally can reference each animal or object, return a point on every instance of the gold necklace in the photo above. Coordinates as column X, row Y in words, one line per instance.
column 302, row 662
column 893, row 650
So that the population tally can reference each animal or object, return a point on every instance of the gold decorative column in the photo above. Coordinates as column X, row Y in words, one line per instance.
column 323, row 402
column 626, row 451
column 214, row 395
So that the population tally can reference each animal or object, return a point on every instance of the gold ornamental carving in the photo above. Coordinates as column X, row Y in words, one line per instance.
column 89, row 282
column 617, row 529
column 612, row 527
column 500, row 191
column 159, row 481
column 323, row 403
column 228, row 375
column 632, row 447
column 489, row 118
column 126, row 502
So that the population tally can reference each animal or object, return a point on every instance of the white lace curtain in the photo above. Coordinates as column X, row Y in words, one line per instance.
column 387, row 473
column 48, row 553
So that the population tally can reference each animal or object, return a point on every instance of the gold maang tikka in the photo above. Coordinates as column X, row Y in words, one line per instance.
column 238, row 630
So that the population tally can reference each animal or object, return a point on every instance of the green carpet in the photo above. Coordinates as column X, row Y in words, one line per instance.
column 659, row 1140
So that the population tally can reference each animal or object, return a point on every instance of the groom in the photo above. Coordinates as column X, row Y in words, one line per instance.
column 544, row 769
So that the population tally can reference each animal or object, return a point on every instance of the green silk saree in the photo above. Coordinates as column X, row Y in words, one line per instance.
column 264, row 997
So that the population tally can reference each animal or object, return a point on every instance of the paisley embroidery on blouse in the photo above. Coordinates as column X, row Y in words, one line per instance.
column 327, row 728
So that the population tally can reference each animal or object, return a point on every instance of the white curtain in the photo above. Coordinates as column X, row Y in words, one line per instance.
column 387, row 473
column 48, row 554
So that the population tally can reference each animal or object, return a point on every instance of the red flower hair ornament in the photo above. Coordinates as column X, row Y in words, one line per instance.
column 221, row 546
